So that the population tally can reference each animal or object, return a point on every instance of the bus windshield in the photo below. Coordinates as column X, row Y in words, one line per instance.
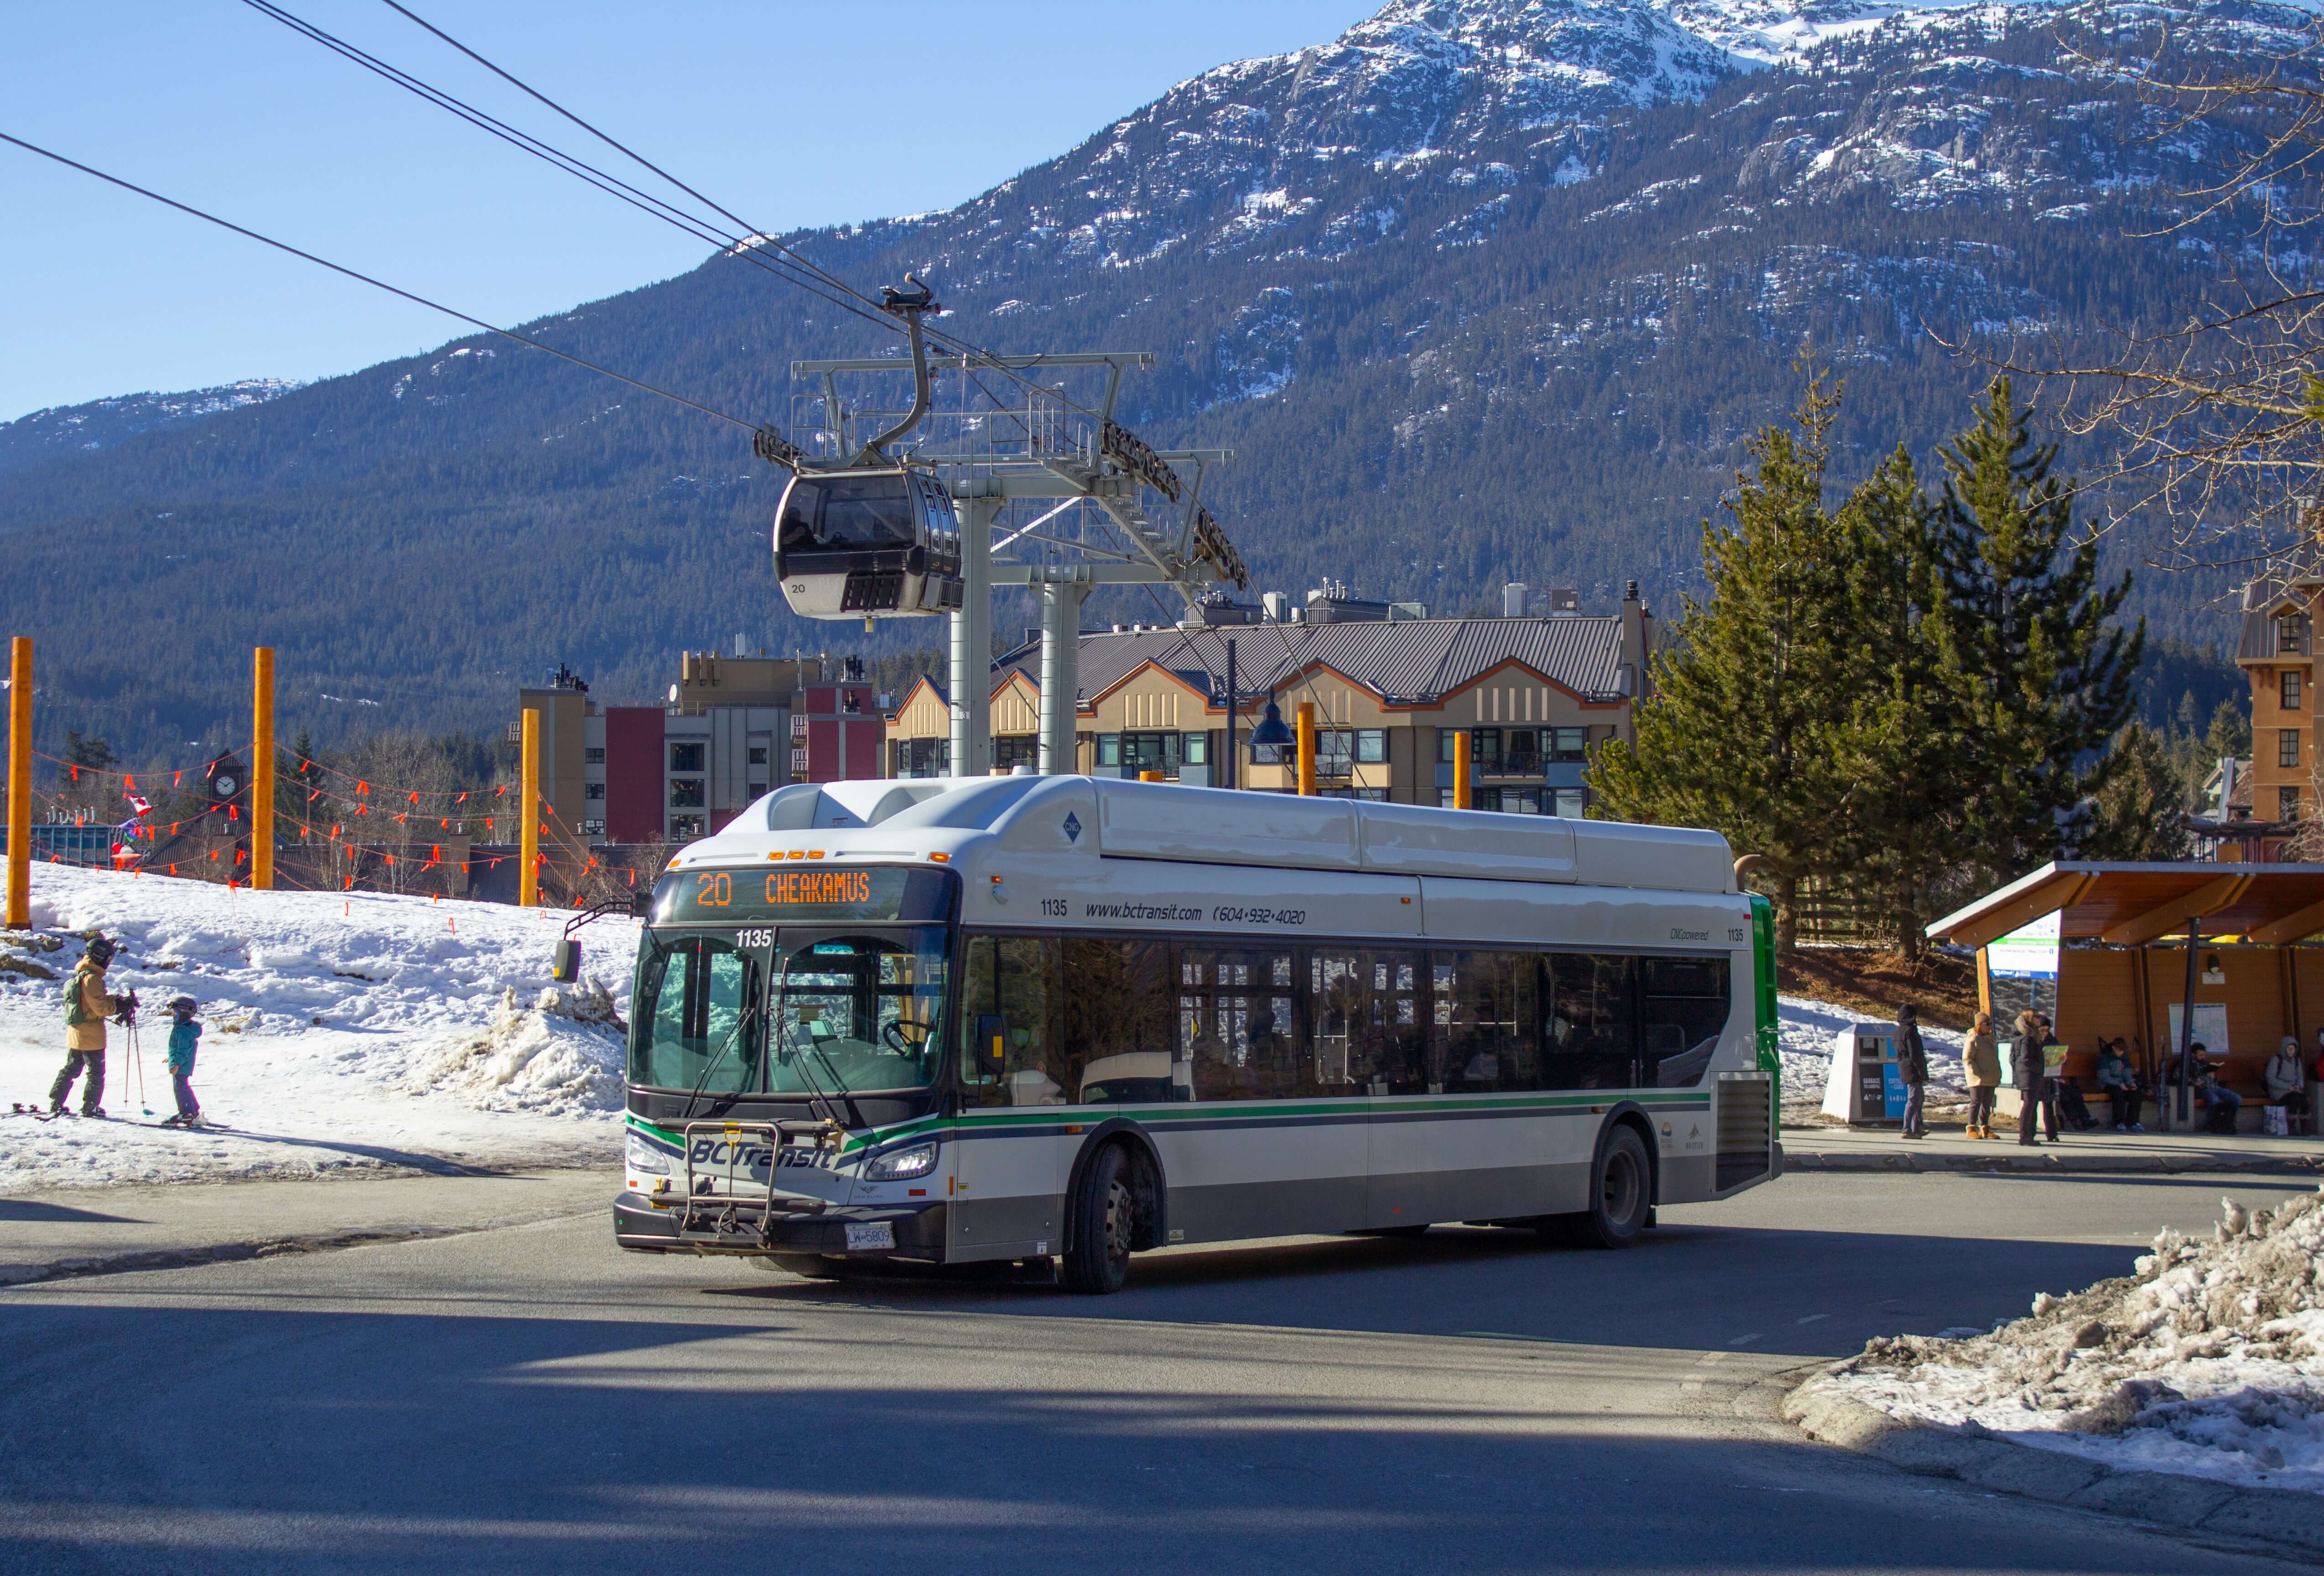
column 697, row 1019
column 857, row 1013
column 852, row 511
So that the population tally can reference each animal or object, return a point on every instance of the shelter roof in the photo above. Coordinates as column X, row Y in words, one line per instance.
column 2130, row 905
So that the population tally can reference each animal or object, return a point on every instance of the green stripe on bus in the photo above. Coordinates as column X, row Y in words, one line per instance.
column 1192, row 1110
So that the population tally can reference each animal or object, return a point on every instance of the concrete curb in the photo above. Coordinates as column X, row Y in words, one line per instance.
column 2050, row 1161
column 2283, row 1516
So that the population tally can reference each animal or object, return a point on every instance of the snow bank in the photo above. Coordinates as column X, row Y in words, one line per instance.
column 2209, row 1360
column 339, row 1031
column 1805, row 1033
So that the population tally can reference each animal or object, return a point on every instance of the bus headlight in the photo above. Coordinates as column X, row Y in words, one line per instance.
column 643, row 1156
column 902, row 1164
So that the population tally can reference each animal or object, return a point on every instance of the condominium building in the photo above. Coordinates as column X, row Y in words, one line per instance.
column 731, row 729
column 1392, row 694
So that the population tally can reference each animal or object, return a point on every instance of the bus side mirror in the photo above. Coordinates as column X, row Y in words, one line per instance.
column 565, row 959
column 991, row 1045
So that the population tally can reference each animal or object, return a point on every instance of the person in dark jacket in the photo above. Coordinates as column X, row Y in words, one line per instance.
column 2118, row 1081
column 1912, row 1067
column 2029, row 1072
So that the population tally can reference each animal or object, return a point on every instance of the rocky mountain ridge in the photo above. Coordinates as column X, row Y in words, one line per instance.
column 1478, row 291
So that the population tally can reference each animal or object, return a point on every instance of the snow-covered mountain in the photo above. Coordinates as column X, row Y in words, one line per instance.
column 1479, row 289
column 58, row 429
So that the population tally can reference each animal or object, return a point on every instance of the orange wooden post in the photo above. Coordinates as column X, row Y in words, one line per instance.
column 261, row 770
column 20, row 782
column 1306, row 715
column 528, row 809
column 1460, row 769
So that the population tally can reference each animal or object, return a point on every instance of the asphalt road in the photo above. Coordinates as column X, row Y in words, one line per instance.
column 529, row 1398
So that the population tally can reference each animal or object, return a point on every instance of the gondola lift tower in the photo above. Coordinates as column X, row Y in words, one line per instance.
column 903, row 524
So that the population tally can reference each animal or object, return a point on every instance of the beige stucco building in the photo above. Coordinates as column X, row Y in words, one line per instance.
column 1533, row 694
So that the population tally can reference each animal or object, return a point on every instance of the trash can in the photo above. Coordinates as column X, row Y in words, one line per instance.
column 1865, row 1089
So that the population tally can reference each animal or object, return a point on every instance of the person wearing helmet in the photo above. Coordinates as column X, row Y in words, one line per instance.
column 88, row 1004
column 185, row 1034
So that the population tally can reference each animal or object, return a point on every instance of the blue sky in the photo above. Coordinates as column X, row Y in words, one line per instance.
column 789, row 114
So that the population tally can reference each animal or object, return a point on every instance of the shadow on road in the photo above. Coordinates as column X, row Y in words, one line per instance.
column 399, row 1441
column 1811, row 1292
column 30, row 1210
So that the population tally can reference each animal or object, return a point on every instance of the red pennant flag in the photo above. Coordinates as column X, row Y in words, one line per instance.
column 363, row 787
column 176, row 777
column 128, row 783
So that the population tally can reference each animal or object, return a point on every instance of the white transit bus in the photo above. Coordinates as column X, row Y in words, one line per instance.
column 1059, row 1020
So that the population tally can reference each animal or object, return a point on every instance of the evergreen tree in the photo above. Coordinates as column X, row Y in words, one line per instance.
column 1734, row 734
column 2042, row 674
column 2138, row 814
column 1897, row 748
column 95, row 754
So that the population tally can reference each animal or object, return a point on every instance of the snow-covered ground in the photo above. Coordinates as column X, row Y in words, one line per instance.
column 339, row 1032
column 1807, row 1032
column 2209, row 1360
column 357, row 1029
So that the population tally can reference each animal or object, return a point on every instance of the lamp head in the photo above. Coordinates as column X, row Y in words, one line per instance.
column 1271, row 729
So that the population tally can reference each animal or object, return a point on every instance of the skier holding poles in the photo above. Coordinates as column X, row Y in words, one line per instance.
column 87, row 1005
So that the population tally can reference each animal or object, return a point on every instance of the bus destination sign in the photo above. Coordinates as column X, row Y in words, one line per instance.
column 802, row 897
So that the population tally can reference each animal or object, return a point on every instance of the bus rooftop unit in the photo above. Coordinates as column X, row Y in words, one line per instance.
column 1057, row 1020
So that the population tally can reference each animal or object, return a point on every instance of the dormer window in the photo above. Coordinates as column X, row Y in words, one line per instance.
column 2290, row 632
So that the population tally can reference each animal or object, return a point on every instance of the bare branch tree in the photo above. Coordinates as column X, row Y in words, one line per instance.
column 2217, row 419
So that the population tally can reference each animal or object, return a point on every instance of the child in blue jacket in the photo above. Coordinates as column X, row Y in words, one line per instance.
column 185, row 1034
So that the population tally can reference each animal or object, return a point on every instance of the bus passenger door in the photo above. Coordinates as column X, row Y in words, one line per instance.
column 1001, row 1192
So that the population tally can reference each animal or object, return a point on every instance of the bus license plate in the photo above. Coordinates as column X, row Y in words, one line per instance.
column 877, row 1234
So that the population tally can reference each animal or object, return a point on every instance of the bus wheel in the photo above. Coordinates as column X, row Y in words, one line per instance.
column 1622, row 1195
column 1105, row 1217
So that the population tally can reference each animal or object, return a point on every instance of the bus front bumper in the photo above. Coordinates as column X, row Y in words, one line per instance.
column 644, row 1224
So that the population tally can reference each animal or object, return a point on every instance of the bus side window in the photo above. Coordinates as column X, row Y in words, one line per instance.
column 1687, row 1007
column 1485, row 1022
column 1590, row 1034
column 1015, row 978
column 1235, row 1024
column 1118, row 1023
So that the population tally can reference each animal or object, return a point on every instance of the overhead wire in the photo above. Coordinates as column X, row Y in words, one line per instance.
column 612, row 185
column 416, row 298
column 751, row 235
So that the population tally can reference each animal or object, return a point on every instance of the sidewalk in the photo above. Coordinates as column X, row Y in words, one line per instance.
column 1808, row 1147
column 80, row 1230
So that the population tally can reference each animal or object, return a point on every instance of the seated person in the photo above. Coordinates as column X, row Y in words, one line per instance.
column 2287, row 1085
column 2220, row 1101
column 2119, row 1083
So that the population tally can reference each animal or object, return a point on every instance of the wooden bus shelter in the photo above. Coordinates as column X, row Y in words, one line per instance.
column 2133, row 941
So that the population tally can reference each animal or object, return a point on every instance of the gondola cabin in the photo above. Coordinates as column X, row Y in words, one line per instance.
column 867, row 543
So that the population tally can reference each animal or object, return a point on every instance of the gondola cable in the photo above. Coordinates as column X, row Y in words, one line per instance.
column 580, row 168
column 750, row 234
column 375, row 283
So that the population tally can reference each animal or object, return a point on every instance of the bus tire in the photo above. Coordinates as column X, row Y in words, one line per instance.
column 1621, row 1193
column 1104, row 1221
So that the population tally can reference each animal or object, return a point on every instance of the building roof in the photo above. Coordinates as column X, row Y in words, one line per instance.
column 2259, row 641
column 1410, row 662
column 2130, row 905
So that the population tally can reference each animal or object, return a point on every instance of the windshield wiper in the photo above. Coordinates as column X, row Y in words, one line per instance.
column 782, row 1031
column 742, row 1021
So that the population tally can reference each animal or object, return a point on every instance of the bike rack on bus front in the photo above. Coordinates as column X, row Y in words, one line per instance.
column 728, row 1221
